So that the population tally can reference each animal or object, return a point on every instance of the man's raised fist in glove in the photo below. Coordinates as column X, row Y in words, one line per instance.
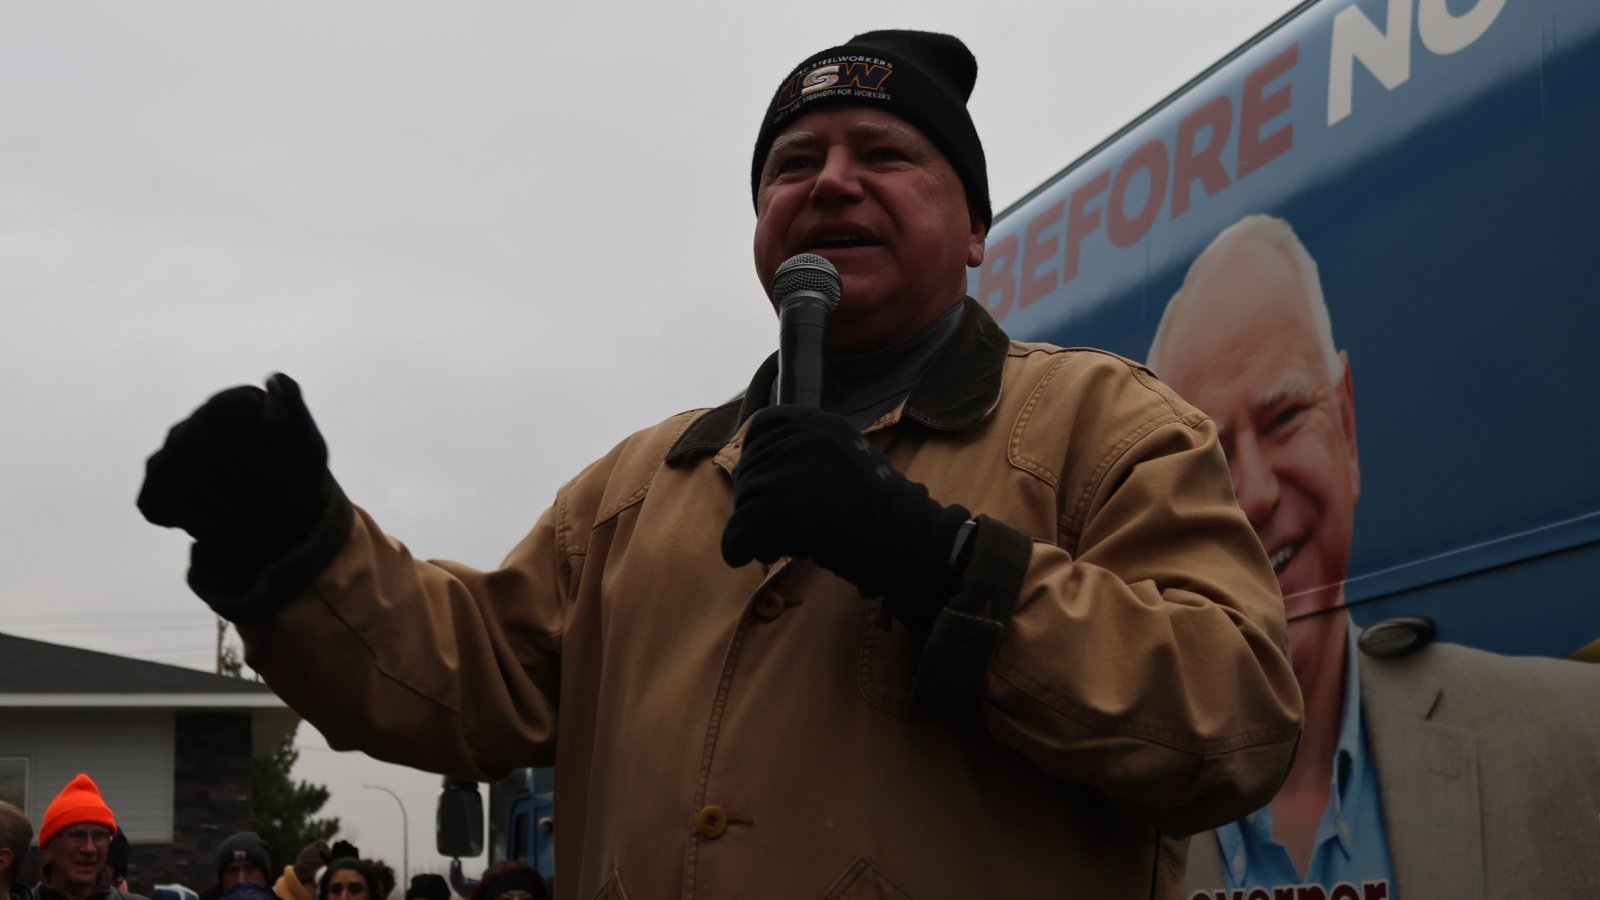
column 246, row 475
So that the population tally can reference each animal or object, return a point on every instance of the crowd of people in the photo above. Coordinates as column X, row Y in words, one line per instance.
column 82, row 854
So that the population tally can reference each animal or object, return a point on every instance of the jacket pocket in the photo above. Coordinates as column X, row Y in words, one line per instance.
column 886, row 665
column 863, row 882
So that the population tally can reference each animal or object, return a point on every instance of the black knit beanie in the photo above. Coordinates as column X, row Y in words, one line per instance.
column 921, row 76
column 248, row 846
column 428, row 887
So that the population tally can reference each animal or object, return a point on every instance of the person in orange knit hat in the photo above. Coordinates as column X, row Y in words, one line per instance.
column 75, row 840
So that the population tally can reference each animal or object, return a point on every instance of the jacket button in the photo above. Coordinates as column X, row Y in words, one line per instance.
column 769, row 606
column 711, row 821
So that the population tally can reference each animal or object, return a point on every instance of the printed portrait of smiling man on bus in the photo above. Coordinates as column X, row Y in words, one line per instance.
column 1429, row 766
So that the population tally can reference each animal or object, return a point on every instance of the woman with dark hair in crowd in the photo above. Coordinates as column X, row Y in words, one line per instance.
column 384, row 873
column 510, row 880
column 348, row 878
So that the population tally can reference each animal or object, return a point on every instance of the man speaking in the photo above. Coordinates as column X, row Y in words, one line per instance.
column 982, row 596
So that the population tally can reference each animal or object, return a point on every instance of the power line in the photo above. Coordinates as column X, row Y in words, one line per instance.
column 76, row 627
column 105, row 621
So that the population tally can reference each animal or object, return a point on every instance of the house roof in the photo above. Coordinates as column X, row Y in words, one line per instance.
column 31, row 675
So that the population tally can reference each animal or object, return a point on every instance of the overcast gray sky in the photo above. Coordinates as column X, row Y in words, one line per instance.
column 489, row 239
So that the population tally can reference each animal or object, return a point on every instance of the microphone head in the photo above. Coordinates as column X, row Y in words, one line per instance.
column 807, row 272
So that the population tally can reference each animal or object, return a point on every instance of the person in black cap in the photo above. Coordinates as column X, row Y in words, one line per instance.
column 242, row 858
column 117, row 859
column 510, row 880
column 428, row 886
column 975, row 593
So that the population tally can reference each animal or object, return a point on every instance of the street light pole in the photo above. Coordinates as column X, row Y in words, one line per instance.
column 405, row 837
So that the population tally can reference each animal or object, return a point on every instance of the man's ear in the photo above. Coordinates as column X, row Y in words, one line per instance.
column 1347, row 422
column 8, row 861
column 979, row 235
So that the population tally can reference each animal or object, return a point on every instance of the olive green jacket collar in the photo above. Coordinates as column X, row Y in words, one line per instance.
column 960, row 387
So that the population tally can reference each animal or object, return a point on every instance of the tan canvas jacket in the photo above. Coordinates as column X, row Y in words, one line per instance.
column 1112, row 676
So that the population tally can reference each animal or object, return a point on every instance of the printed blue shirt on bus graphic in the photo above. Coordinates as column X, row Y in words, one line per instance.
column 1351, row 844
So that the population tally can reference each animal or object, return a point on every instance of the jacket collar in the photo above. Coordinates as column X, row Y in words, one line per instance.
column 46, row 889
column 960, row 387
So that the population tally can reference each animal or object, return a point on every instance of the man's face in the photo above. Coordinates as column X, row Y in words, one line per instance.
column 870, row 193
column 1243, row 349
column 241, row 870
column 77, row 854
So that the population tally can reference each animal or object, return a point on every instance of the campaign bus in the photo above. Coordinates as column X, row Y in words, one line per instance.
column 1362, row 244
column 1439, row 163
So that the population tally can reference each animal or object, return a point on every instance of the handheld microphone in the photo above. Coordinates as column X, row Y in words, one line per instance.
column 806, row 288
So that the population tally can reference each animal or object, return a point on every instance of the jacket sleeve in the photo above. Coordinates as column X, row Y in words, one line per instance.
column 429, row 664
column 1142, row 651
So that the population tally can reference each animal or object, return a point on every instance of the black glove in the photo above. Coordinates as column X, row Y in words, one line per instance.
column 809, row 485
column 246, row 475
